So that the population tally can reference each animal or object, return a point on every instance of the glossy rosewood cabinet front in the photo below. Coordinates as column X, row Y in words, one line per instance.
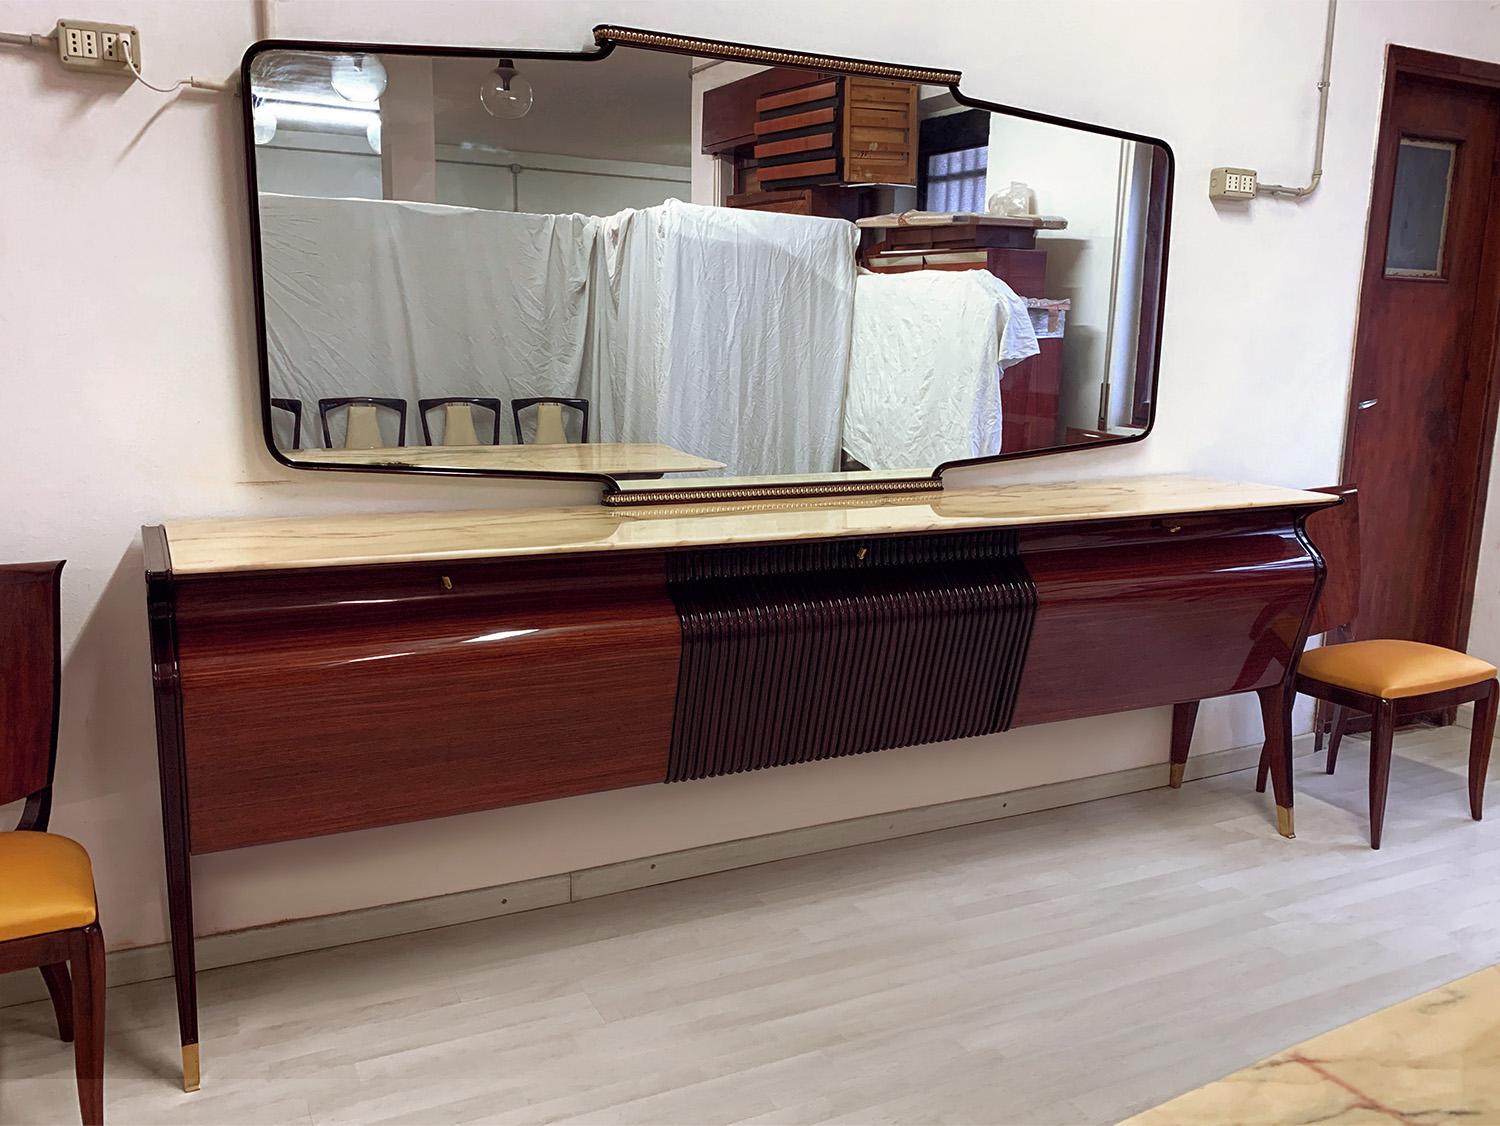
column 306, row 700
column 1154, row 612
column 344, row 698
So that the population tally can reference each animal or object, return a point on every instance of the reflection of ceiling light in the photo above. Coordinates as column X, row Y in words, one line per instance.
column 358, row 78
column 264, row 119
column 372, row 134
column 317, row 117
column 505, row 94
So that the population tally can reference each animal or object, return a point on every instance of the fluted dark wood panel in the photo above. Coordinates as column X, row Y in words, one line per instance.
column 817, row 650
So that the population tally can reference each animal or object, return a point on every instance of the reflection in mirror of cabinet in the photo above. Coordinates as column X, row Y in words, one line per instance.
column 666, row 231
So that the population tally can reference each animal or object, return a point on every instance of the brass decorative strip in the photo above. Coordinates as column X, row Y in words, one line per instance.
column 709, row 493
column 712, row 48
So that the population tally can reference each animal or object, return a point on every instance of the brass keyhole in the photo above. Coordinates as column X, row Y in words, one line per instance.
column 447, row 583
column 861, row 553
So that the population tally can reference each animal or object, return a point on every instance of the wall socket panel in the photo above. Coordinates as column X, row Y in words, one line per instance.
column 82, row 45
column 1232, row 183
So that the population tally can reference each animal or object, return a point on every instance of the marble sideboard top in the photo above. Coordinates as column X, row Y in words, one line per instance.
column 220, row 546
column 1430, row 1060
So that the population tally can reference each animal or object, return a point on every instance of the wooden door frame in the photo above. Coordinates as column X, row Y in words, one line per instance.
column 1484, row 341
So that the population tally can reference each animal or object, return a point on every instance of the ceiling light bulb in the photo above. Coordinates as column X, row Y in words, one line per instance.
column 358, row 78
column 505, row 94
column 264, row 123
column 372, row 134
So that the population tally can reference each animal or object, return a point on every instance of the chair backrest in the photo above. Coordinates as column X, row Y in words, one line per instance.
column 362, row 426
column 458, row 419
column 292, row 407
column 30, row 684
column 1334, row 531
column 549, row 419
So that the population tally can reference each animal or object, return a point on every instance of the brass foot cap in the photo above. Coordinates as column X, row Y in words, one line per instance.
column 190, row 1074
column 1175, row 778
column 1284, row 821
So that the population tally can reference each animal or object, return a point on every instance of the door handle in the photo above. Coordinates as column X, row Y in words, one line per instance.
column 1367, row 404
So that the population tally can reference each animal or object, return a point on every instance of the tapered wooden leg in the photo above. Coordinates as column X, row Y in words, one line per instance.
column 1480, row 742
column 1184, row 717
column 184, row 960
column 1276, row 755
column 60, row 986
column 1321, row 711
column 88, row 1016
column 1381, row 731
column 1340, row 722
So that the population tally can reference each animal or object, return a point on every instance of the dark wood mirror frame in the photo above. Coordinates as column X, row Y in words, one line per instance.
column 607, row 37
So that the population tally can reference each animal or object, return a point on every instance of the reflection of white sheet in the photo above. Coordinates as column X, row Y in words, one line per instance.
column 724, row 333
column 928, row 351
column 417, row 300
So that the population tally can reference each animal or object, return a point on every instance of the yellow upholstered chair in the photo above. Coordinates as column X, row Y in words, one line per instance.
column 48, row 916
column 1391, row 680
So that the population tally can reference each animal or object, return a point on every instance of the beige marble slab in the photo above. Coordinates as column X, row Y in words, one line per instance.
column 1432, row 1059
column 217, row 546
column 613, row 458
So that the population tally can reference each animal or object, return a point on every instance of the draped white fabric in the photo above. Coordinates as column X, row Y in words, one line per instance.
column 419, row 300
column 725, row 333
column 929, row 348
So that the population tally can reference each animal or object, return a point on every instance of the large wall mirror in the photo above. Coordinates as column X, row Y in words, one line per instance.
column 669, row 264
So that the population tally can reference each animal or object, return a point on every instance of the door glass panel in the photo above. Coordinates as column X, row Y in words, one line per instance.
column 1419, row 208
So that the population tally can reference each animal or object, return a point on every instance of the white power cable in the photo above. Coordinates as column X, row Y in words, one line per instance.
column 17, row 39
column 190, row 82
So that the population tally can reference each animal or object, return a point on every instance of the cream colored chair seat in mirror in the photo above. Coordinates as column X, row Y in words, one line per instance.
column 549, row 425
column 458, row 425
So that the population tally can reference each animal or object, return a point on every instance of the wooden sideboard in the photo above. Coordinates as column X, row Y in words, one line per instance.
column 317, row 675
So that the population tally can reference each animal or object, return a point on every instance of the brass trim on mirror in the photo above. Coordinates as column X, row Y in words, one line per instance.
column 705, row 494
column 609, row 34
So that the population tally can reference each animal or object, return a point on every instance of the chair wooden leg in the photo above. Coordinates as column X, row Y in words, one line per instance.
column 1320, row 721
column 88, row 1015
column 1340, row 722
column 1276, row 755
column 1184, row 717
column 60, row 987
column 1383, row 726
column 1480, row 742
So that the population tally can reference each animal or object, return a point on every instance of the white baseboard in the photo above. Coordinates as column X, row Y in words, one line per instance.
column 147, row 963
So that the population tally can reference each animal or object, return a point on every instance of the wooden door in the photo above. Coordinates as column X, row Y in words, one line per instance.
column 1421, row 410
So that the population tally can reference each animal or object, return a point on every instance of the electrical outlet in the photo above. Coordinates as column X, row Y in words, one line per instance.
column 1232, row 183
column 82, row 45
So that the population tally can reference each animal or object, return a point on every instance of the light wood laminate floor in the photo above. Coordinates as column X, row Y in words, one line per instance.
column 1077, row 965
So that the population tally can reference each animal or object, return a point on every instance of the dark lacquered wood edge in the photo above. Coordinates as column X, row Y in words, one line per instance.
column 166, row 687
column 37, row 812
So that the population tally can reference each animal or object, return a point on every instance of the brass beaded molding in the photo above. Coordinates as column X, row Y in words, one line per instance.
column 709, row 493
column 607, row 33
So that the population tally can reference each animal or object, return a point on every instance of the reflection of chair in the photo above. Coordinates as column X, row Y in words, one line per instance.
column 458, row 419
column 48, row 916
column 549, row 419
column 362, row 428
column 292, row 407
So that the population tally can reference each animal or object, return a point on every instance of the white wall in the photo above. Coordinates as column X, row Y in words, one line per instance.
column 310, row 164
column 1076, row 175
column 124, row 298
